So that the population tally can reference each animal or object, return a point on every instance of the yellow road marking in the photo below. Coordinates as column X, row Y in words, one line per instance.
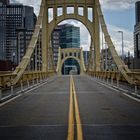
column 77, row 113
column 74, row 103
column 71, row 115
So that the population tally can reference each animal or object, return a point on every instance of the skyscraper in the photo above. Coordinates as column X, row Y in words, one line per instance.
column 56, row 43
column 86, row 57
column 6, row 2
column 12, row 18
column 69, row 36
column 137, row 36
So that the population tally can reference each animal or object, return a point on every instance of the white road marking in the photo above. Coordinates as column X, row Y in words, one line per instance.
column 131, row 97
column 6, row 102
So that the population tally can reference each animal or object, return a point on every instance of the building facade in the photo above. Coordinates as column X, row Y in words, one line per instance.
column 65, row 36
column 69, row 36
column 2, row 30
column 107, row 62
column 86, row 57
column 23, row 40
column 137, row 37
column 56, row 43
column 12, row 18
column 6, row 2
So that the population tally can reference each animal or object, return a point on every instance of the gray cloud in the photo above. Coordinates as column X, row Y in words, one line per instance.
column 34, row 3
column 106, row 4
column 117, row 4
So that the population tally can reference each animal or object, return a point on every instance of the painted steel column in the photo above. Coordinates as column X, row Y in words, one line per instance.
column 96, row 38
column 44, row 40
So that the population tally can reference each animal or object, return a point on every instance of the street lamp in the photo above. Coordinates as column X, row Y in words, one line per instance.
column 122, row 44
column 32, row 64
column 13, row 55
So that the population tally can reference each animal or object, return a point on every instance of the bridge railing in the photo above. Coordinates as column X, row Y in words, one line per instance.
column 5, row 79
column 28, row 80
column 115, row 75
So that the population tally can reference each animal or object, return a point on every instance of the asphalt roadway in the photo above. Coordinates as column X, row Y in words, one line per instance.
column 43, row 113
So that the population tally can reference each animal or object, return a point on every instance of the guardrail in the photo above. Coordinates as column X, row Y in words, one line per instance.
column 6, row 79
column 27, row 81
column 115, row 75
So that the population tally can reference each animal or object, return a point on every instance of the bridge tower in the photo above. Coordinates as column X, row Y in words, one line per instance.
column 84, row 11
column 70, row 53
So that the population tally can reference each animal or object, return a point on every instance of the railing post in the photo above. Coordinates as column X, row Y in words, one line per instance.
column 12, row 90
column 28, row 84
column 21, row 85
column 40, row 78
column 111, row 81
column 0, row 93
column 118, row 82
column 37, row 80
column 107, row 80
column 136, row 89
column 33, row 82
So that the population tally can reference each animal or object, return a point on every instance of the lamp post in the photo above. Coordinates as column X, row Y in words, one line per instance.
column 122, row 44
column 32, row 63
column 106, row 56
column 13, row 55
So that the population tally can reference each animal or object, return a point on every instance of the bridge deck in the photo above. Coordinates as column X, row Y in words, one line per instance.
column 44, row 113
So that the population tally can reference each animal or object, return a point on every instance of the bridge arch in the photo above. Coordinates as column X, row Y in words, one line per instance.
column 71, row 58
column 59, row 20
column 70, row 53
column 92, row 24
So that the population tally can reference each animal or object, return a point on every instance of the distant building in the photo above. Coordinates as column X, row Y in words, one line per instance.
column 69, row 36
column 23, row 40
column 6, row 2
column 86, row 57
column 56, row 43
column 129, row 61
column 65, row 36
column 107, row 62
column 137, row 37
column 13, row 17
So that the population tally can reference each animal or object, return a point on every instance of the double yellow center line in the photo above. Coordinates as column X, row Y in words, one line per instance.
column 74, row 114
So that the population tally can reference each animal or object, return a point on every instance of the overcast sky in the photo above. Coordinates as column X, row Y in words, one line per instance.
column 119, row 15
